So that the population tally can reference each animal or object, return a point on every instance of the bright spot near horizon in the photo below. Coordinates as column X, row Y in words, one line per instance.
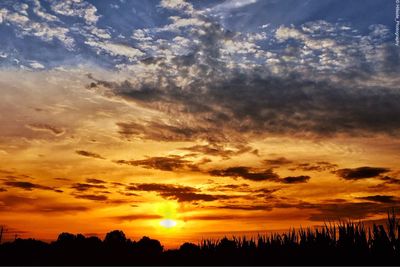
column 168, row 223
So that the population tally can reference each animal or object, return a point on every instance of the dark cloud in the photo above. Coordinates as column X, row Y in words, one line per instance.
column 349, row 210
column 120, row 201
column 134, row 217
column 61, row 208
column 6, row 172
column 232, row 187
column 295, row 179
column 278, row 161
column 3, row 189
column 170, row 163
column 237, row 93
column 360, row 173
column 95, row 181
column 9, row 203
column 247, row 207
column 91, row 197
column 380, row 199
column 213, row 217
column 247, row 104
column 160, row 131
column 29, row 186
column 390, row 180
column 245, row 173
column 217, row 217
column 317, row 166
column 387, row 181
column 117, row 184
column 10, row 177
column 88, row 154
column 85, row 186
column 267, row 190
column 219, row 150
column 265, row 193
column 340, row 209
column 47, row 128
column 177, row 192
column 130, row 194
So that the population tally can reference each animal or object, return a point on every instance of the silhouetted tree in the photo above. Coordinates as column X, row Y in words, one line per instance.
column 189, row 248
column 149, row 246
column 115, row 238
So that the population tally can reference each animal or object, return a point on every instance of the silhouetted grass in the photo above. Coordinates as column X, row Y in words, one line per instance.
column 342, row 243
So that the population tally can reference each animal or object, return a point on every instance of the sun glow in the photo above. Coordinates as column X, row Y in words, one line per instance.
column 168, row 223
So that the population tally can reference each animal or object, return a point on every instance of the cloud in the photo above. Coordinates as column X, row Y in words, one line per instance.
column 219, row 150
column 26, row 26
column 159, row 131
column 380, row 199
column 134, row 217
column 72, row 8
column 115, row 49
column 86, row 186
column 295, row 179
column 390, row 180
column 177, row 192
column 169, row 163
column 36, row 65
column 247, row 207
column 9, row 203
column 6, row 171
column 39, row 11
column 95, row 181
column 360, row 173
column 180, row 5
column 61, row 208
column 284, row 33
column 227, row 6
column 28, row 186
column 89, row 154
column 91, row 197
column 278, row 161
column 317, row 166
column 226, row 87
column 349, row 210
column 231, row 187
column 245, row 173
column 46, row 128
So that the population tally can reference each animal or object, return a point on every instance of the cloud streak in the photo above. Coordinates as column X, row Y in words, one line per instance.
column 245, row 173
column 360, row 173
column 89, row 154
column 177, row 192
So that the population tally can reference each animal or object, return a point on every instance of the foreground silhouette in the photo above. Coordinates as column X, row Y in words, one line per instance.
column 340, row 244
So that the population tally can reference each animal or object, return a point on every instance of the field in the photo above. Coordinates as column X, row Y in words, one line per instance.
column 341, row 243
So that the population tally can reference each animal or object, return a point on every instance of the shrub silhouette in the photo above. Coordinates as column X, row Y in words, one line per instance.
column 344, row 243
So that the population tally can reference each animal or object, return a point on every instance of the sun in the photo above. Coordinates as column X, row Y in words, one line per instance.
column 168, row 223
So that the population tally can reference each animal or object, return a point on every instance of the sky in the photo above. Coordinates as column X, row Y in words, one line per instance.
column 182, row 120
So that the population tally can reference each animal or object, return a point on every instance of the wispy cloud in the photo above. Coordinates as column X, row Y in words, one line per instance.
column 89, row 154
column 178, row 192
column 361, row 172
column 46, row 128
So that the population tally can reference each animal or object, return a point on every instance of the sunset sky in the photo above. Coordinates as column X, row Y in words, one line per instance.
column 183, row 120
